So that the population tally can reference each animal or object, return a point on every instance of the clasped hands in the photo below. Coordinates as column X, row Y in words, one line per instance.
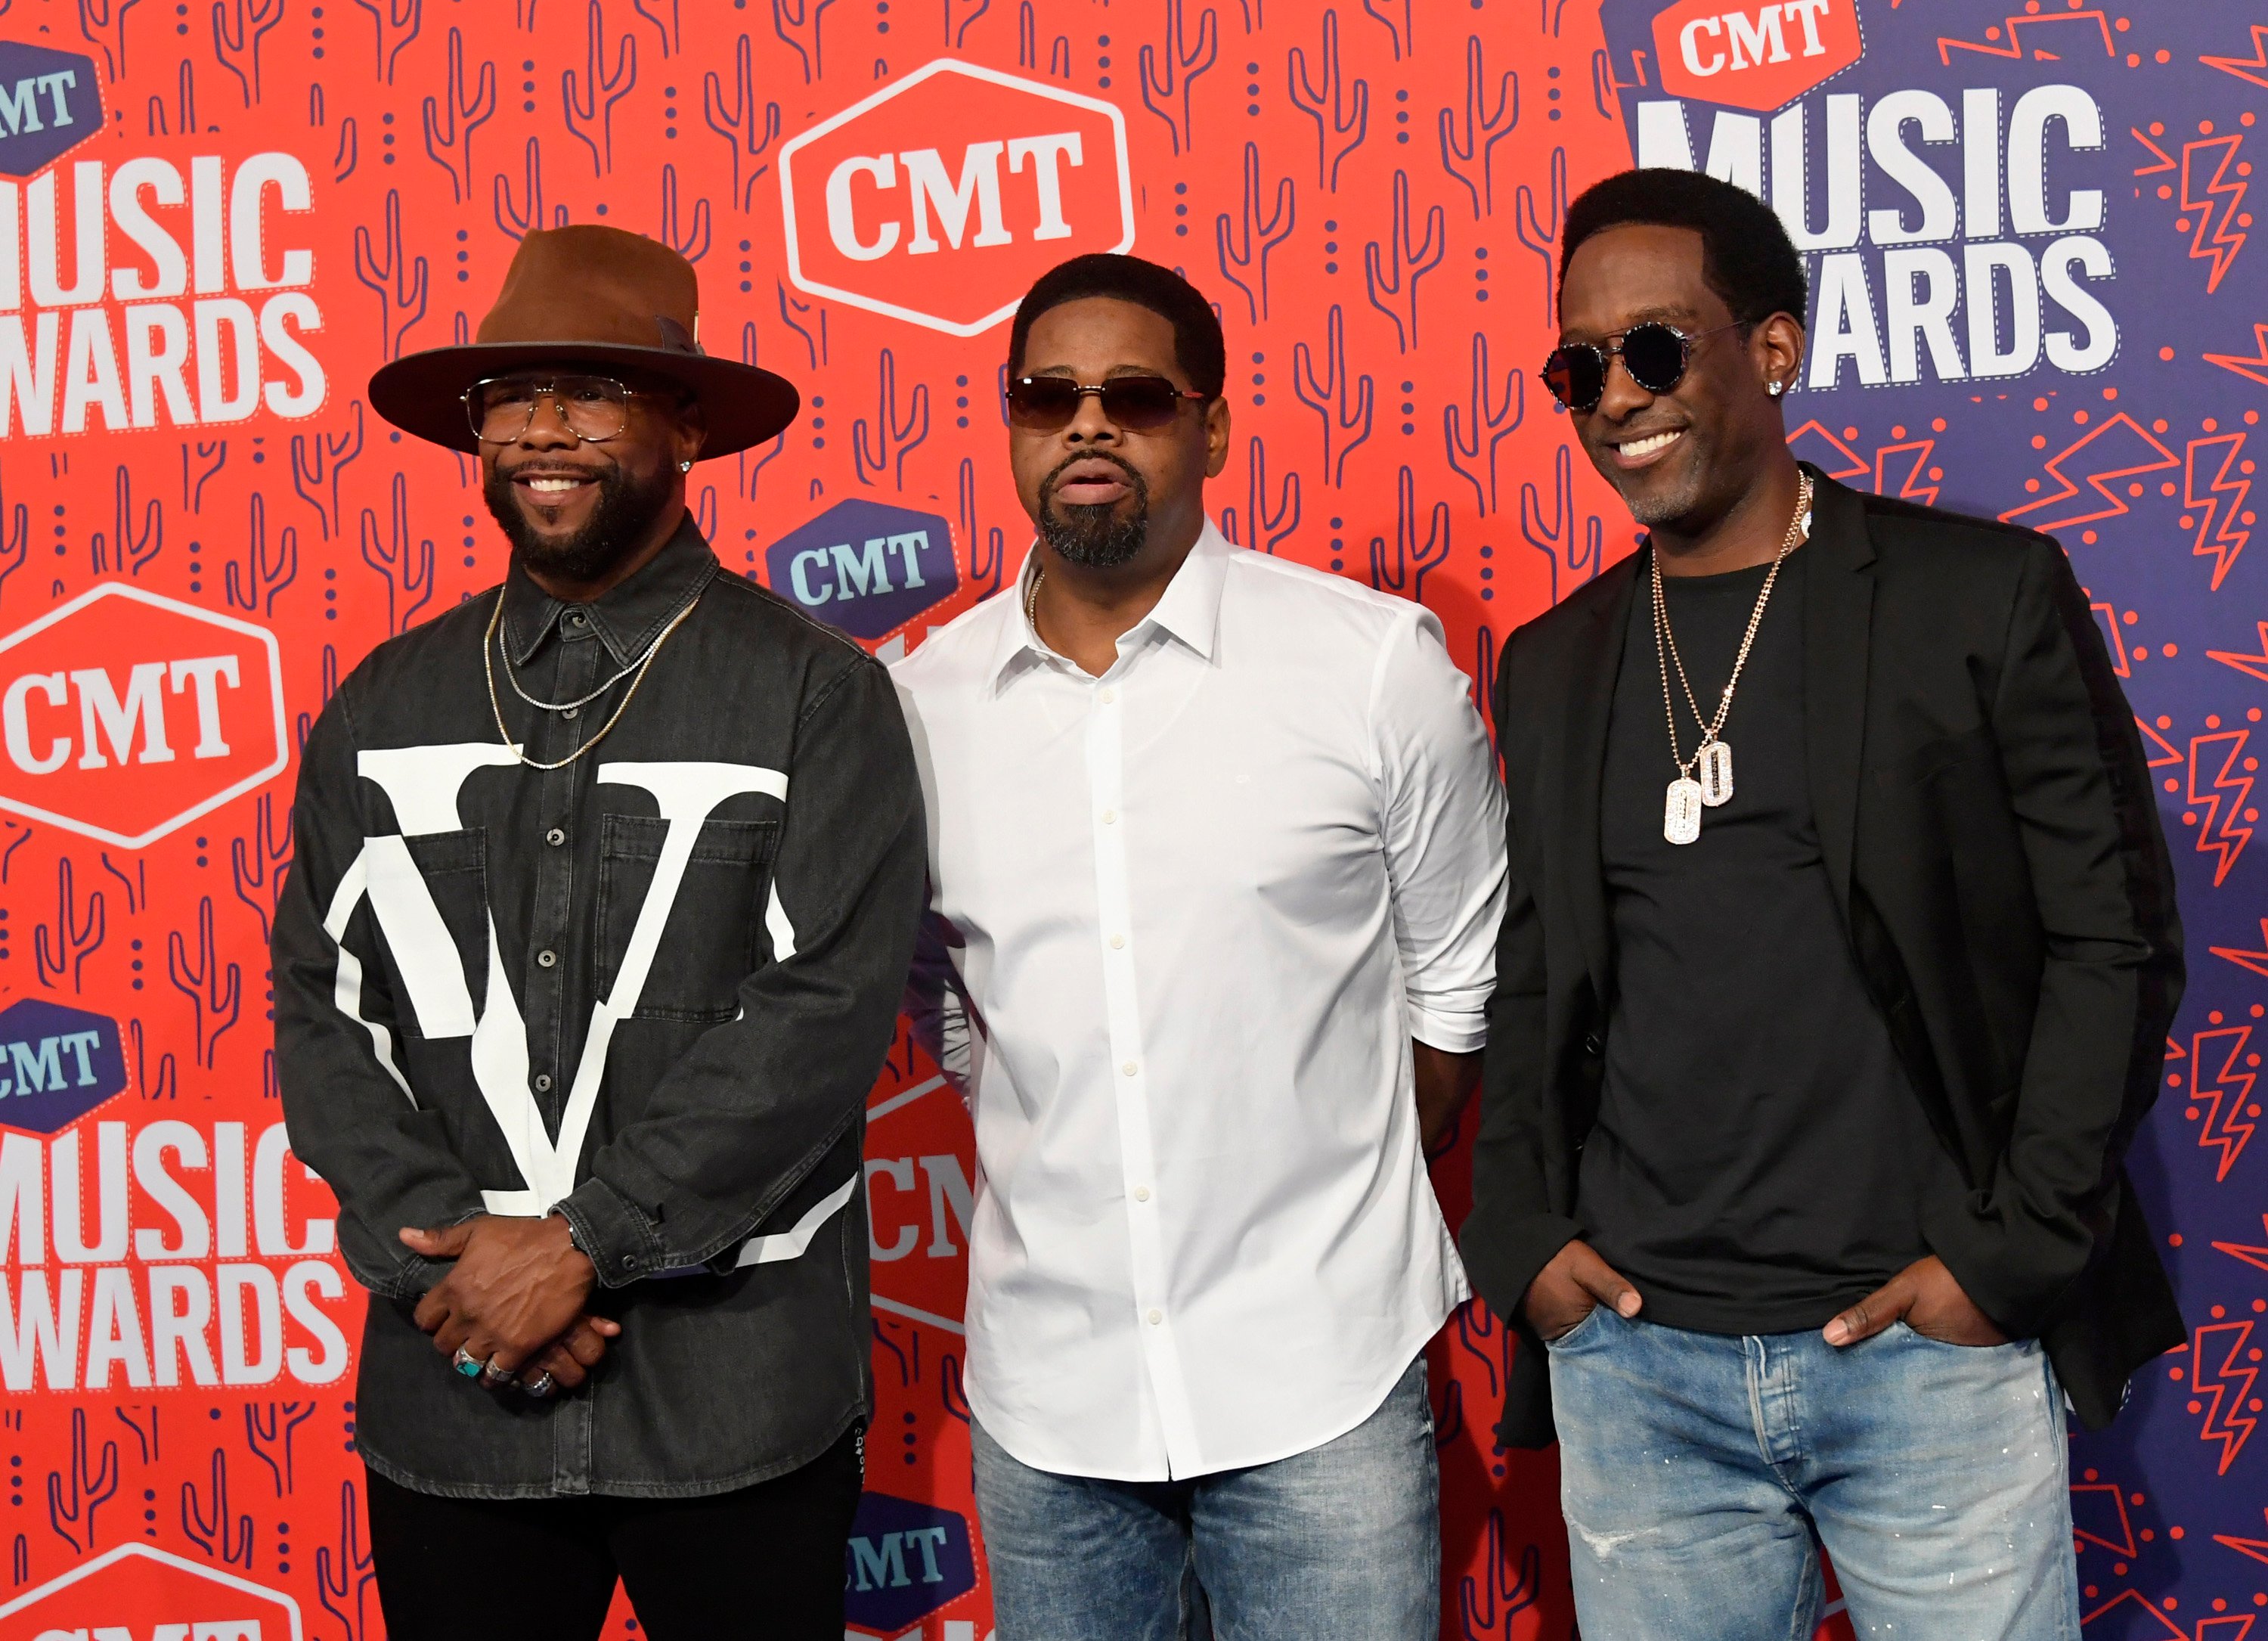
column 515, row 1299
column 1925, row 1296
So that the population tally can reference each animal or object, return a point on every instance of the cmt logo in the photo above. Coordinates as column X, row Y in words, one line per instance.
column 865, row 568
column 879, row 216
column 124, row 714
column 140, row 1593
column 1758, row 57
column 56, row 1064
column 50, row 101
column 905, row 1560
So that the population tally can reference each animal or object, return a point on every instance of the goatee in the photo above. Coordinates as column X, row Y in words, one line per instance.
column 1093, row 534
column 619, row 521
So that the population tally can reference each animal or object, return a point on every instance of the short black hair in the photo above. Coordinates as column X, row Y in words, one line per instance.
column 1746, row 256
column 1199, row 348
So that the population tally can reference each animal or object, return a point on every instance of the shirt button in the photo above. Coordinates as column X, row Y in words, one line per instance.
column 576, row 620
column 570, row 712
column 1107, row 697
column 1156, row 1317
column 544, row 1082
column 546, row 959
column 1118, row 942
column 1141, row 1194
column 554, row 836
column 1130, row 1067
column 1109, row 817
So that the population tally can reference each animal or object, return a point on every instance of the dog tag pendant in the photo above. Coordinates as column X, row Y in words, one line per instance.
column 1681, row 815
column 1715, row 773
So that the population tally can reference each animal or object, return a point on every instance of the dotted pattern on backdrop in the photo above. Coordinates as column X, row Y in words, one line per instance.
column 201, row 525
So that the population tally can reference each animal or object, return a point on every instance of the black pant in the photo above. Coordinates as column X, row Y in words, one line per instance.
column 765, row 1561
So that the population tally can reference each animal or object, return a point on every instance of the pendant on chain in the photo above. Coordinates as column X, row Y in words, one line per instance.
column 1715, row 773
column 1681, row 814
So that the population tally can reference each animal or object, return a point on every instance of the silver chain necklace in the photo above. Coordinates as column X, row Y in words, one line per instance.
column 1712, row 758
column 490, row 643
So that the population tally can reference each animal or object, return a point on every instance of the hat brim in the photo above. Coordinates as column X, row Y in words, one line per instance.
column 422, row 393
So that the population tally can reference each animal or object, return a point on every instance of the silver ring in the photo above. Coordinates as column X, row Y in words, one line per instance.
column 467, row 1363
column 542, row 1386
column 494, row 1376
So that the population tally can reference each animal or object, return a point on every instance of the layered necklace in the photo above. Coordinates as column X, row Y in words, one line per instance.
column 1704, row 781
column 492, row 645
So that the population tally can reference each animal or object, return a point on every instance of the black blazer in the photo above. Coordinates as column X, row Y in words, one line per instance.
column 1986, row 817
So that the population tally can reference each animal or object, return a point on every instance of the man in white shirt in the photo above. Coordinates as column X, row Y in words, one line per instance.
column 1217, row 863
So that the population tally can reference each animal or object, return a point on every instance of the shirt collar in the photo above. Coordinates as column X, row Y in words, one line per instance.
column 1188, row 609
column 626, row 618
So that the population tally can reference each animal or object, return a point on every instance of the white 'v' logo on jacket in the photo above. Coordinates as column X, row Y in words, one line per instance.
column 423, row 783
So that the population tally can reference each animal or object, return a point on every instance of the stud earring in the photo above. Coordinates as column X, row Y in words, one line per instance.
column 686, row 467
column 1775, row 388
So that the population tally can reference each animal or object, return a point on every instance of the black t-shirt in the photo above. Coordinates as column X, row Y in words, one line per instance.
column 1760, row 1159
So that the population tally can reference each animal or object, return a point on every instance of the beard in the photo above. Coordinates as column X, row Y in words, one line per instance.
column 625, row 508
column 1093, row 534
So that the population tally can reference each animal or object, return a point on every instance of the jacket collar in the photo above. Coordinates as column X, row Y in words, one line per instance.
column 1838, row 605
column 628, row 617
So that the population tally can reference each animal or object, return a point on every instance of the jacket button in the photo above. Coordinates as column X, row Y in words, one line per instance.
column 547, row 959
column 629, row 1261
column 1591, row 1045
column 554, row 836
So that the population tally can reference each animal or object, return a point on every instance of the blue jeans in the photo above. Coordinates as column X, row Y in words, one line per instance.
column 1701, row 1475
column 1340, row 1543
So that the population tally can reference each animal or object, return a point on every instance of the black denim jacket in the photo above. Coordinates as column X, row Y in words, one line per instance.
column 716, row 906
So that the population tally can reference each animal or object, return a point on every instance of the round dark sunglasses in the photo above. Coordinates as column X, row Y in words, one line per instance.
column 1654, row 354
column 1046, row 404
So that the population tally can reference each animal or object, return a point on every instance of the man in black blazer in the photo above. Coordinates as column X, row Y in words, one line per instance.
column 1807, row 1080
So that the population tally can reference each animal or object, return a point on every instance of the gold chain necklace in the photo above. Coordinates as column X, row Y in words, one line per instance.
column 1712, row 758
column 496, row 707
column 1032, row 604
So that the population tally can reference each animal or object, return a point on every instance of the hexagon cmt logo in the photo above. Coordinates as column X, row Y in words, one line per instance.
column 880, row 215
column 905, row 1561
column 124, row 714
column 865, row 568
column 139, row 1590
column 50, row 102
column 1755, row 54
column 56, row 1064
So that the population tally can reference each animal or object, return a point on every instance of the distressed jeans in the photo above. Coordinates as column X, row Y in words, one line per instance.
column 1340, row 1543
column 1702, row 1475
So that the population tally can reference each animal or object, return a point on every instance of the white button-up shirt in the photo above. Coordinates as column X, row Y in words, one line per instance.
column 1185, row 919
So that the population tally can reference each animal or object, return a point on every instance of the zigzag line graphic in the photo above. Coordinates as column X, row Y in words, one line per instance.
column 2227, row 1105
column 2229, row 541
column 2239, row 66
column 2253, row 369
column 2169, row 754
column 2224, row 245
column 2225, row 1420
column 2016, row 47
column 2251, row 666
column 2231, row 836
column 1910, row 488
column 2165, row 159
column 2098, row 481
column 2257, row 1258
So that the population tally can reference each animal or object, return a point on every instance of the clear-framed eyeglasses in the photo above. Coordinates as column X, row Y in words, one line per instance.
column 502, row 408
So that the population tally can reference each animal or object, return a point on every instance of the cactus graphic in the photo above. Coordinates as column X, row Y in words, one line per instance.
column 1336, row 115
column 397, row 22
column 1405, row 264
column 797, row 23
column 984, row 569
column 262, row 580
column 317, row 460
column 511, row 220
column 134, row 548
column 600, row 92
column 1412, row 564
column 214, row 997
column 691, row 243
column 1329, row 397
column 407, row 570
column 136, row 887
column 1263, row 527
column 1027, row 44
column 1461, row 424
column 1254, row 238
column 1469, row 156
column 15, row 539
column 268, row 1429
column 670, row 33
column 103, row 23
column 1543, row 238
column 896, row 436
column 398, row 279
column 1402, row 29
column 209, row 1527
column 238, row 28
column 78, row 933
column 344, row 1574
column 1183, row 63
column 749, row 127
column 214, row 453
column 956, row 34
column 349, row 152
column 256, row 863
column 167, row 1084
column 1485, row 1604
column 451, row 119
column 89, row 1489
column 1556, row 540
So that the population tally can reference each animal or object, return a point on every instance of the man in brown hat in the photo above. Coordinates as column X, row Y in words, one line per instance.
column 605, row 887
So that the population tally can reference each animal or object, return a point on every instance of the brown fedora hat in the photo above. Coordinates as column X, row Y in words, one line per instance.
column 586, row 294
